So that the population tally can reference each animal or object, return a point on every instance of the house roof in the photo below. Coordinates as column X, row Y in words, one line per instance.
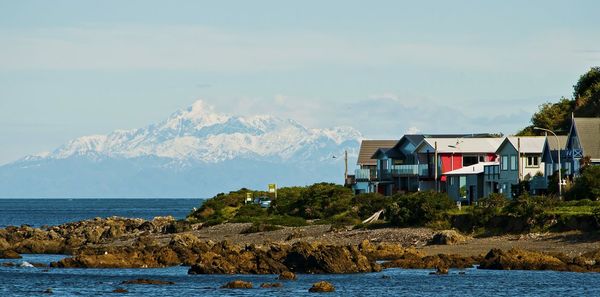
column 588, row 132
column 562, row 142
column 528, row 144
column 473, row 169
column 462, row 145
column 369, row 147
column 381, row 150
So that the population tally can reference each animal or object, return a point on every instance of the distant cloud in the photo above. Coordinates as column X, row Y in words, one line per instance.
column 135, row 47
column 412, row 130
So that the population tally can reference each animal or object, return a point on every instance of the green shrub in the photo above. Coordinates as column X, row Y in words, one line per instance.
column 368, row 204
column 284, row 220
column 486, row 209
column 251, row 210
column 529, row 209
column 419, row 208
column 587, row 185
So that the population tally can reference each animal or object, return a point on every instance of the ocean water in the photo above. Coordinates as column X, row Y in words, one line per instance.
column 39, row 212
column 23, row 281
column 17, row 281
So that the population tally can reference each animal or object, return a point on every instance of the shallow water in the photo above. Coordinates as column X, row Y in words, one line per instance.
column 17, row 281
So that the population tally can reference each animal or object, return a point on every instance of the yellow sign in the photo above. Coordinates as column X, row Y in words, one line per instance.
column 248, row 197
column 272, row 188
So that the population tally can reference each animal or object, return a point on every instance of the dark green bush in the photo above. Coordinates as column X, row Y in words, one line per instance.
column 368, row 204
column 486, row 209
column 587, row 185
column 529, row 209
column 418, row 209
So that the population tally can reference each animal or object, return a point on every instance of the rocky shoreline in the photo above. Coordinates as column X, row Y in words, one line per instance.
column 136, row 243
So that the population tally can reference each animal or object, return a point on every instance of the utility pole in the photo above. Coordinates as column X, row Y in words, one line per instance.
column 345, row 165
column 435, row 165
column 519, row 158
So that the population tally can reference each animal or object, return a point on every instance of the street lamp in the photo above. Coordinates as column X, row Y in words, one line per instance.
column 559, row 164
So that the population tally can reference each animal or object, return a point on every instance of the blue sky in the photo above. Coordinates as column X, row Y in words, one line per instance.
column 73, row 68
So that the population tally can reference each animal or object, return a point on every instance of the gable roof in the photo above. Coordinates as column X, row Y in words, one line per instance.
column 588, row 132
column 562, row 142
column 473, row 169
column 369, row 147
column 462, row 145
column 380, row 151
column 528, row 144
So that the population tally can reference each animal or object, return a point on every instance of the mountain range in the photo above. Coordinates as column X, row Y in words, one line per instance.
column 195, row 152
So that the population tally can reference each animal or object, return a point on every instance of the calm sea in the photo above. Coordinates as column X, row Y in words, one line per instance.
column 39, row 212
column 22, row 281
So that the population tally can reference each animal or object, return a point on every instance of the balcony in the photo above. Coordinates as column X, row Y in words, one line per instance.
column 403, row 170
column 491, row 172
column 362, row 174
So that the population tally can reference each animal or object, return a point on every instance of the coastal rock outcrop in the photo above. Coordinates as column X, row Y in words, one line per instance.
column 287, row 275
column 416, row 260
column 237, row 284
column 322, row 287
column 281, row 259
column 516, row 259
column 9, row 254
column 68, row 238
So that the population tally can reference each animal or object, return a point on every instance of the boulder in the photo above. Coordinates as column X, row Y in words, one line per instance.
column 448, row 237
column 9, row 254
column 237, row 284
column 287, row 275
column 516, row 259
column 322, row 287
column 418, row 261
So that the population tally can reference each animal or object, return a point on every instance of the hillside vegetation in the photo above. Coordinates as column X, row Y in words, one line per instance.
column 325, row 203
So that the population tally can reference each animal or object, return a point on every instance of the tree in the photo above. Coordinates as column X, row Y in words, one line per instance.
column 557, row 116
column 587, row 94
column 552, row 116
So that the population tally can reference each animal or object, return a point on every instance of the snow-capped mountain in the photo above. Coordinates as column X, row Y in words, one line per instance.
column 190, row 147
column 200, row 134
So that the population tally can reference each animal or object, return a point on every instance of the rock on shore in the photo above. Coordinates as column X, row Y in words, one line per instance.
column 527, row 260
column 300, row 257
column 68, row 238
column 9, row 254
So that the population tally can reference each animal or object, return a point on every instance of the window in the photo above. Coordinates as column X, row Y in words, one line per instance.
column 533, row 161
column 469, row 160
column 513, row 162
column 504, row 162
column 482, row 158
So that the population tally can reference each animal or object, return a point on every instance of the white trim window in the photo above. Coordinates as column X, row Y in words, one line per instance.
column 533, row 161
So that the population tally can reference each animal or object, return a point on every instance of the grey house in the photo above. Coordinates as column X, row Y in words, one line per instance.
column 583, row 141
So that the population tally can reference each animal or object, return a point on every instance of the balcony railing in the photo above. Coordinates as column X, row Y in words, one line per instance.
column 362, row 174
column 491, row 172
column 403, row 170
